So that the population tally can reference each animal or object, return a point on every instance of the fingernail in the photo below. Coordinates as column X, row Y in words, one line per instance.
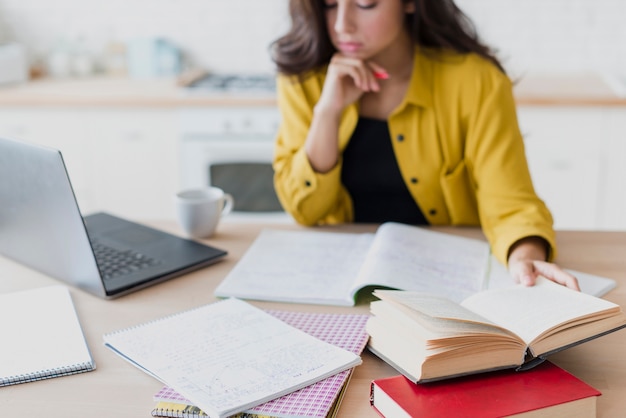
column 381, row 75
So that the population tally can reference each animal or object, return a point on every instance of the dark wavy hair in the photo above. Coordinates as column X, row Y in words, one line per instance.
column 435, row 24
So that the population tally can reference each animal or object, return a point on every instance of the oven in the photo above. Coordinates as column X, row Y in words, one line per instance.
column 231, row 146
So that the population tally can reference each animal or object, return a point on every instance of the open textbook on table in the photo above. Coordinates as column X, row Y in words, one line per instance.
column 429, row 337
column 319, row 267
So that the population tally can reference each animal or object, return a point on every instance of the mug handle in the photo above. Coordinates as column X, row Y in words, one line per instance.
column 229, row 203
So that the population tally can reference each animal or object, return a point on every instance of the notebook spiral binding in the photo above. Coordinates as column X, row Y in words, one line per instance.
column 163, row 318
column 190, row 411
column 46, row 374
column 187, row 412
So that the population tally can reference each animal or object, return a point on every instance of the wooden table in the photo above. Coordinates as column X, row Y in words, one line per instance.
column 120, row 390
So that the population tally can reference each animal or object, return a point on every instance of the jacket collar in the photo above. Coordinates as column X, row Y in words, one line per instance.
column 420, row 88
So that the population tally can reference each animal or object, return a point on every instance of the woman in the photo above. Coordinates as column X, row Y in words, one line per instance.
column 394, row 111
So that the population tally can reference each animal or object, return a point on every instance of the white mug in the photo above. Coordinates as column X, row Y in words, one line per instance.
column 199, row 210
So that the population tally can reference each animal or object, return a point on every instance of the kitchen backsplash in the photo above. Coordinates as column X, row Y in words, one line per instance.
column 234, row 35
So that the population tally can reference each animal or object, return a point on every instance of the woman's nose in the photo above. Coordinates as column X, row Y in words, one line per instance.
column 345, row 22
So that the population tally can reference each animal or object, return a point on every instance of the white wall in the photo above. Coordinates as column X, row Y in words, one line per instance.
column 554, row 35
column 223, row 35
column 233, row 35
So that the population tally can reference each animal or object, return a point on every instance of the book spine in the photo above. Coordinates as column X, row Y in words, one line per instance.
column 46, row 374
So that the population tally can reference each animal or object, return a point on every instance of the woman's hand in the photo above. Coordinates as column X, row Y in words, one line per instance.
column 526, row 263
column 347, row 79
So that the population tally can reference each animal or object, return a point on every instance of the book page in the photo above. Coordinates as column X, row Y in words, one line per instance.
column 298, row 266
column 590, row 284
column 229, row 356
column 529, row 311
column 412, row 258
column 438, row 314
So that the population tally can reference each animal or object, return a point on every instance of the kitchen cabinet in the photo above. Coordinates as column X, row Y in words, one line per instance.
column 614, row 204
column 135, row 171
column 123, row 159
column 567, row 151
column 61, row 128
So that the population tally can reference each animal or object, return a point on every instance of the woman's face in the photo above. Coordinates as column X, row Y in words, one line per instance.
column 365, row 28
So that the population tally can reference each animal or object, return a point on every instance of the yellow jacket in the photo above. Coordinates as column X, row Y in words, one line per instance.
column 457, row 142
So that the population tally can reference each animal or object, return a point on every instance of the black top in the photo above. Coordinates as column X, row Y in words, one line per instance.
column 371, row 175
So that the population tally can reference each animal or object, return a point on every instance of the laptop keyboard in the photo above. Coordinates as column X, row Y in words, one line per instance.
column 113, row 262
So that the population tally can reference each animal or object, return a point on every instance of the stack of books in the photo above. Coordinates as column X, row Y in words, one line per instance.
column 485, row 356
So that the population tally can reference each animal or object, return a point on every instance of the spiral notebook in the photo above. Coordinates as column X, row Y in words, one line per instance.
column 320, row 400
column 41, row 336
column 233, row 356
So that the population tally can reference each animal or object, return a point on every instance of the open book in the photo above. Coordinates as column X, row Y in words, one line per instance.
column 309, row 266
column 428, row 337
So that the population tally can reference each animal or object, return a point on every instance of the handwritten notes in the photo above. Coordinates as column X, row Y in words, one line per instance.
column 331, row 267
column 229, row 356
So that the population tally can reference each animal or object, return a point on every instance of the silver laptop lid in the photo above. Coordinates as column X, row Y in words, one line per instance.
column 40, row 222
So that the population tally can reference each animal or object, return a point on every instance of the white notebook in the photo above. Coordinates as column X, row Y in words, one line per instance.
column 41, row 336
column 229, row 356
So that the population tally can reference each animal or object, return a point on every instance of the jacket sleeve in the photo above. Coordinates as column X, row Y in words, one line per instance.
column 310, row 197
column 509, row 208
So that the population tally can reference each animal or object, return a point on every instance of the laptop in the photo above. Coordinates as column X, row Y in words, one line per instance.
column 41, row 226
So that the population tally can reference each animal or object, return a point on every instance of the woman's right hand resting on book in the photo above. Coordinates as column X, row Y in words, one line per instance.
column 526, row 263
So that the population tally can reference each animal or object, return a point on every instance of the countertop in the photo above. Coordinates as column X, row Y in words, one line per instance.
column 530, row 90
column 119, row 91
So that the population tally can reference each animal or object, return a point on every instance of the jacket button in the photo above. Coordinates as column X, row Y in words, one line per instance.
column 413, row 180
column 400, row 137
column 307, row 183
column 433, row 211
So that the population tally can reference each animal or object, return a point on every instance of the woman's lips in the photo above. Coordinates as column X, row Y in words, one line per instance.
column 349, row 46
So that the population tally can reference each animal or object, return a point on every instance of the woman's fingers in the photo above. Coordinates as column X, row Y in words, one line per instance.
column 526, row 272
column 362, row 74
column 556, row 274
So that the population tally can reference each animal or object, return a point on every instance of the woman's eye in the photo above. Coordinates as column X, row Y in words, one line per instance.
column 363, row 6
column 366, row 6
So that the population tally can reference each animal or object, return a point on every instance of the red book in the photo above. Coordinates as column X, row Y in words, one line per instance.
column 546, row 390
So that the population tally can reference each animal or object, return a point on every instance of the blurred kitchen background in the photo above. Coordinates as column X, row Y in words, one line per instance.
column 220, row 35
column 111, row 83
column 233, row 35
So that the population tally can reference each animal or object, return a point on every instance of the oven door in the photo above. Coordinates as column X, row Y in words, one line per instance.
column 240, row 165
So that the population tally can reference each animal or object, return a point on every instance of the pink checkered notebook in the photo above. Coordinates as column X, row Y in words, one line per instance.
column 343, row 330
